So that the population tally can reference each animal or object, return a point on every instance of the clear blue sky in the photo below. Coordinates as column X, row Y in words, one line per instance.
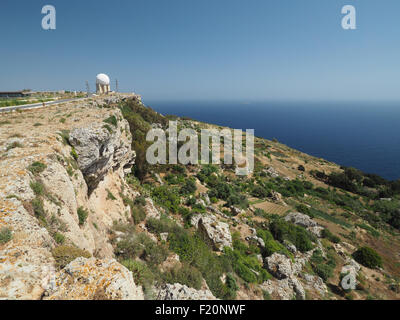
column 206, row 49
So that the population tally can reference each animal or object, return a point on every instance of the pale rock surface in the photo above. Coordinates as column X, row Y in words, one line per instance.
column 217, row 232
column 89, row 279
column 99, row 150
column 305, row 221
column 178, row 291
column 285, row 289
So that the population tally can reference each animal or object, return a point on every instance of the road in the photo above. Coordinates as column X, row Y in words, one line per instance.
column 37, row 105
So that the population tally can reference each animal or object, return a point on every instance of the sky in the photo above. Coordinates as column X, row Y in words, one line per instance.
column 206, row 49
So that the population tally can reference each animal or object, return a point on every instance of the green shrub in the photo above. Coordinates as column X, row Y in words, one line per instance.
column 59, row 238
column 37, row 168
column 271, row 246
column 135, row 245
column 163, row 225
column 38, row 210
column 186, row 275
column 259, row 192
column 82, row 215
column 368, row 257
column 142, row 274
column 330, row 236
column 5, row 235
column 300, row 237
column 112, row 120
column 194, row 251
column 37, row 187
column 304, row 209
column 141, row 201
column 321, row 266
column 189, row 187
column 246, row 266
column 63, row 255
column 110, row 196
column 167, row 197
column 74, row 154
column 138, row 214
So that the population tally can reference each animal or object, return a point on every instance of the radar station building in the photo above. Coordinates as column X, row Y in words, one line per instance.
column 102, row 84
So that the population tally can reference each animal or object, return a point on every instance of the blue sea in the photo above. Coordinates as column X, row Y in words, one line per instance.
column 364, row 135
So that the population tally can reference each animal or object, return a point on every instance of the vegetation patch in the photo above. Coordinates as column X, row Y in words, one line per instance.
column 82, row 215
column 37, row 168
column 64, row 255
column 368, row 257
column 5, row 235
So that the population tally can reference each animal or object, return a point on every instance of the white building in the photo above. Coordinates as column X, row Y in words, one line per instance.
column 102, row 84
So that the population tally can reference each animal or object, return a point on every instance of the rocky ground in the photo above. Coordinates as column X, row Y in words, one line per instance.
column 76, row 223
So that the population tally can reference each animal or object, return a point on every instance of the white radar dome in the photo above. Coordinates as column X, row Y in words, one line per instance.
column 103, row 79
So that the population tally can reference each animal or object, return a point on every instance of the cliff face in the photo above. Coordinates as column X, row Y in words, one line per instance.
column 59, row 168
column 75, row 224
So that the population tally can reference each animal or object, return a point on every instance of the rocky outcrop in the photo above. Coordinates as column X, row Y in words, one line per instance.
column 279, row 266
column 305, row 221
column 93, row 279
column 285, row 289
column 151, row 210
column 178, row 291
column 101, row 147
column 316, row 283
column 26, row 261
column 215, row 231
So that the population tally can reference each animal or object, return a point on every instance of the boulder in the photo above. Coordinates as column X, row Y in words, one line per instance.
column 305, row 221
column 279, row 265
column 217, row 232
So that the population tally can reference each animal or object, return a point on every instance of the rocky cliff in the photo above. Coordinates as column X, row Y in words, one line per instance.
column 54, row 189
column 84, row 216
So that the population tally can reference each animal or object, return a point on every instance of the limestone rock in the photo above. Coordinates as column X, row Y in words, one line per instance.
column 151, row 210
column 178, row 291
column 100, row 150
column 217, row 232
column 315, row 283
column 91, row 279
column 279, row 265
column 305, row 221
column 285, row 289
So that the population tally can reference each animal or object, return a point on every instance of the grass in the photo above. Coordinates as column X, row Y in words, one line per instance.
column 82, row 215
column 38, row 188
column 14, row 145
column 59, row 238
column 328, row 217
column 19, row 102
column 64, row 134
column 63, row 255
column 37, row 168
column 110, row 196
column 112, row 120
column 5, row 235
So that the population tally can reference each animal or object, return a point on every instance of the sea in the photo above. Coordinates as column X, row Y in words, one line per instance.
column 364, row 135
